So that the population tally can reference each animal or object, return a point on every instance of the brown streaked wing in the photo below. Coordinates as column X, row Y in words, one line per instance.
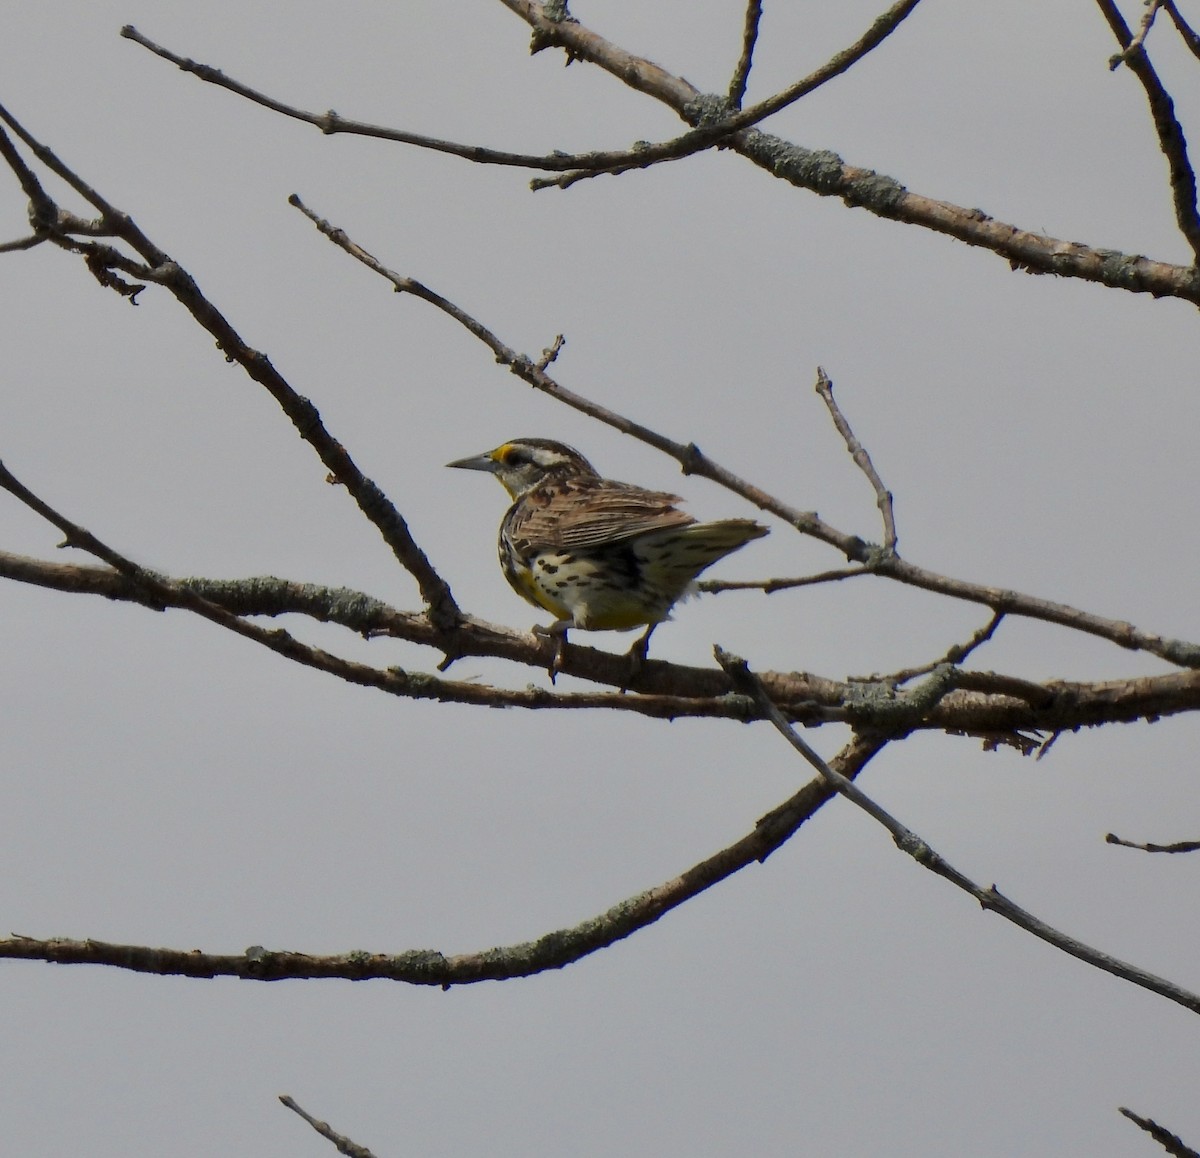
column 588, row 512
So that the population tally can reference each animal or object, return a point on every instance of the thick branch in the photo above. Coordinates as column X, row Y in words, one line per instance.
column 984, row 704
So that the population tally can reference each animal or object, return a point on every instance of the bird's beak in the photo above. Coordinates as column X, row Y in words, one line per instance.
column 477, row 462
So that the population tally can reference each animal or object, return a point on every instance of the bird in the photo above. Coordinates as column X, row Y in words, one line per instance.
column 598, row 554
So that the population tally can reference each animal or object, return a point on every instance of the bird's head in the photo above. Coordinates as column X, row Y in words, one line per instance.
column 524, row 463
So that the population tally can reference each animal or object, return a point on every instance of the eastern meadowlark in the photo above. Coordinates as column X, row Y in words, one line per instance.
column 598, row 555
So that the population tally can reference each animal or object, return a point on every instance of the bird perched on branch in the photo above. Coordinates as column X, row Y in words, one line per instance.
column 598, row 555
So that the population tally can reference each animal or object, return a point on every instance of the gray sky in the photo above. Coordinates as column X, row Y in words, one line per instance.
column 169, row 784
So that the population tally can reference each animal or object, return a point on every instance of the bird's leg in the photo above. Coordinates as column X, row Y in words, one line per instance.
column 637, row 655
column 558, row 632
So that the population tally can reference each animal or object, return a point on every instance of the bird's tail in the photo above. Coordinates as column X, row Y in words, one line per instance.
column 676, row 556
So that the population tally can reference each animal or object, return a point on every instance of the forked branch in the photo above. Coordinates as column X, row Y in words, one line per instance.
column 991, row 899
column 1171, row 140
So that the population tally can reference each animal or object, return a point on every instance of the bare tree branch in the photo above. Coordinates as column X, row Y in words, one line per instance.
column 1185, row 30
column 330, row 123
column 669, row 690
column 1162, row 109
column 22, row 243
column 862, row 460
column 154, row 591
column 770, row 586
column 429, row 967
column 344, row 1145
column 715, row 123
column 956, row 654
column 984, row 704
column 741, row 73
column 1136, row 42
column 907, row 841
column 1178, row 846
column 1173, row 1144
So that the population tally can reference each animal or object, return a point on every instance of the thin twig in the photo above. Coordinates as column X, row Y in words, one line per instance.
column 955, row 654
column 551, row 353
column 344, row 1145
column 909, row 842
column 883, row 497
column 1190, row 38
column 1171, row 140
column 741, row 74
column 1178, row 846
column 330, row 123
column 694, row 461
column 881, row 28
column 722, row 125
column 43, row 213
column 1144, row 26
column 429, row 967
column 770, row 586
column 1172, row 1143
column 23, row 243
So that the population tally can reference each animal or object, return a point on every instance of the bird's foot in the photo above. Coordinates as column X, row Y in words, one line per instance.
column 637, row 657
column 558, row 632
